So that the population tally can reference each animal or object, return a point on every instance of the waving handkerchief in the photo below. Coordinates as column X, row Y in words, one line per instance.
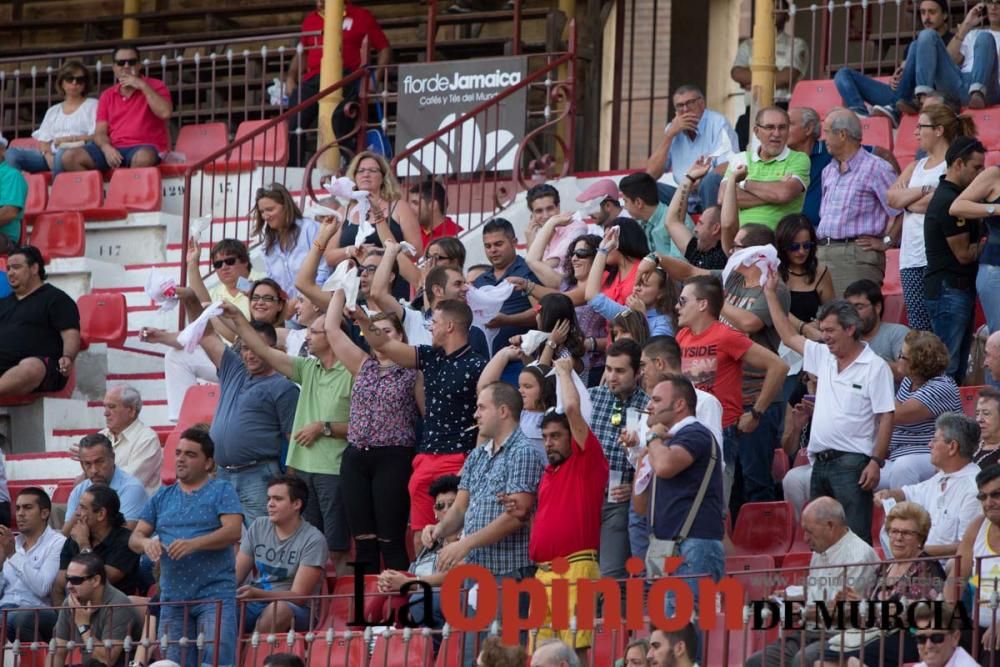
column 316, row 210
column 486, row 303
column 343, row 187
column 562, row 237
column 194, row 332
column 346, row 278
column 586, row 407
column 764, row 257
column 199, row 225
column 531, row 340
column 162, row 290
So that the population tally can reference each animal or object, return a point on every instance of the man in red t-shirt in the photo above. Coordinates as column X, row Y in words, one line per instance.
column 358, row 24
column 132, row 120
column 428, row 199
column 567, row 520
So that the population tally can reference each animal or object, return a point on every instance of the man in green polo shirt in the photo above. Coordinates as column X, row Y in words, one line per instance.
column 776, row 176
column 13, row 193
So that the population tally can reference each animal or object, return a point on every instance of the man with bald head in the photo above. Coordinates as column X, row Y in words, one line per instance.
column 856, row 222
column 834, row 546
column 991, row 360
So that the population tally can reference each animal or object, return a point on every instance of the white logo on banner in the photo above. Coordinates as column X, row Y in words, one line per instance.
column 462, row 150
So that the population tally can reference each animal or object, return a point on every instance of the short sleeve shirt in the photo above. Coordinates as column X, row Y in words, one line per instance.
column 888, row 340
column 174, row 514
column 943, row 269
column 13, row 192
column 938, row 395
column 675, row 496
column 130, row 490
column 130, row 120
column 712, row 361
column 115, row 551
column 107, row 623
column 358, row 24
column 517, row 302
column 713, row 137
column 325, row 397
column 450, row 388
column 30, row 327
column 278, row 560
column 788, row 163
column 514, row 468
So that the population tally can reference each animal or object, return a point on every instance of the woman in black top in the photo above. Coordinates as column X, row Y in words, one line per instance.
column 809, row 282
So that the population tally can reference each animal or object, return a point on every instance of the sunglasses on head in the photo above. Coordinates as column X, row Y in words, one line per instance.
column 795, row 247
column 584, row 253
column 228, row 261
column 935, row 638
column 76, row 581
column 127, row 62
column 75, row 79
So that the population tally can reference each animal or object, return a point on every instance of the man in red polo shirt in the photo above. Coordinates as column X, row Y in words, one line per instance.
column 358, row 24
column 132, row 120
column 570, row 496
column 428, row 199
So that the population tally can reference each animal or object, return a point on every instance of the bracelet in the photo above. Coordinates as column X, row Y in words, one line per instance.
column 802, row 325
column 688, row 177
column 603, row 251
column 652, row 257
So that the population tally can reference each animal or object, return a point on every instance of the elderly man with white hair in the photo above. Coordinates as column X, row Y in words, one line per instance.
column 554, row 653
column 991, row 359
column 137, row 447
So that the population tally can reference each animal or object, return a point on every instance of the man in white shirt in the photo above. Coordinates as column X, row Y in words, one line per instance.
column 855, row 402
column 937, row 646
column 30, row 563
column 137, row 447
column 950, row 495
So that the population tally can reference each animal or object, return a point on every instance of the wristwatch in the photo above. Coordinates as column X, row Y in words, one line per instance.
column 756, row 414
column 887, row 241
column 879, row 461
column 651, row 436
column 82, row 629
column 991, row 209
column 552, row 346
column 328, row 429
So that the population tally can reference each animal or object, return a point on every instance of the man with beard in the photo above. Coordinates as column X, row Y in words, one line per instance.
column 884, row 338
column 97, row 458
column 430, row 202
column 673, row 649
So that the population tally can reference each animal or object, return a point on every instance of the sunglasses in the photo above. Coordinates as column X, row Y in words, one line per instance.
column 437, row 258
column 76, row 581
column 75, row 79
column 127, row 62
column 795, row 247
column 992, row 495
column 936, row 638
column 584, row 253
column 266, row 298
column 365, row 270
column 228, row 261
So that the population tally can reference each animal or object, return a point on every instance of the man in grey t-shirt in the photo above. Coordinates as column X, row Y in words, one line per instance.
column 884, row 338
column 289, row 555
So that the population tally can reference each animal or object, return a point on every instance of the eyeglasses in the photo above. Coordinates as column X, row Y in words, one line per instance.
column 127, row 62
column 266, row 298
column 75, row 79
column 899, row 532
column 774, row 128
column 992, row 495
column 795, row 247
column 437, row 258
column 921, row 126
column 687, row 104
column 367, row 170
column 228, row 261
column 368, row 269
column 584, row 253
column 904, row 357
column 935, row 638
column 76, row 581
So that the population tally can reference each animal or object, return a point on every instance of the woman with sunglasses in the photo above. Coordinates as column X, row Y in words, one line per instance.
column 809, row 282
column 988, row 418
column 66, row 125
column 982, row 200
column 937, row 126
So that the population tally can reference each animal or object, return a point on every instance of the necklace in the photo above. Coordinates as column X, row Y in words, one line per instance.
column 792, row 273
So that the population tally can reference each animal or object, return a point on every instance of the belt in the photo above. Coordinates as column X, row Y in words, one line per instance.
column 244, row 466
column 585, row 556
column 831, row 454
column 829, row 241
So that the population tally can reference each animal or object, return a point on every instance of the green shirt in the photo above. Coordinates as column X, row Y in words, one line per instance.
column 13, row 192
column 325, row 397
column 789, row 163
column 657, row 235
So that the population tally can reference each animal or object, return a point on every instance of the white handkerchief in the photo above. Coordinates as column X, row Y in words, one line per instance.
column 643, row 476
column 316, row 210
column 199, row 225
column 194, row 332
column 162, row 290
column 586, row 407
column 343, row 187
column 764, row 257
column 408, row 248
column 346, row 278
column 531, row 340
column 486, row 303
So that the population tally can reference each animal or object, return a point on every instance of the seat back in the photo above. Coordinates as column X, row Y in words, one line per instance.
column 970, row 396
column 795, row 567
column 103, row 318
column 779, row 465
column 270, row 148
column 393, row 651
column 906, row 138
column 818, row 94
column 59, row 234
column 168, row 471
column 27, row 143
column 196, row 142
column 764, row 528
column 987, row 126
column 755, row 586
column 993, row 158
column 135, row 189
column 76, row 191
column 892, row 283
column 38, row 194
column 199, row 405
column 877, row 131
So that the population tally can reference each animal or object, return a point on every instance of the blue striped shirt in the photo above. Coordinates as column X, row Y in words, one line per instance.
column 939, row 395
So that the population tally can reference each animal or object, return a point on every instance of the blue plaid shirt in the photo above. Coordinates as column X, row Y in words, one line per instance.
column 606, row 406
column 514, row 468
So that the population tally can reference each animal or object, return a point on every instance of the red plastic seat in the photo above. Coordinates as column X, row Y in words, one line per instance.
column 877, row 131
column 755, row 586
column 795, row 567
column 893, row 307
column 103, row 318
column 450, row 653
column 28, row 143
column 393, row 652
column 28, row 399
column 764, row 528
column 270, row 148
column 59, row 234
column 76, row 191
column 906, row 139
column 194, row 143
column 168, row 469
column 987, row 126
column 820, row 95
column 801, row 458
column 970, row 396
column 993, row 159
column 198, row 406
column 741, row 645
column 341, row 609
column 878, row 518
column 609, row 644
column 38, row 195
column 341, row 652
column 132, row 191
column 779, row 465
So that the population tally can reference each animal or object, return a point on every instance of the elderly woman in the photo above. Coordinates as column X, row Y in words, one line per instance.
column 924, row 393
column 910, row 575
column 988, row 418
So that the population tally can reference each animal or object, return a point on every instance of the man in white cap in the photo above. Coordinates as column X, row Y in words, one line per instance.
column 13, row 192
column 606, row 190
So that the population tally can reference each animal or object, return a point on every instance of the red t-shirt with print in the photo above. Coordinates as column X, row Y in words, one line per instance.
column 712, row 360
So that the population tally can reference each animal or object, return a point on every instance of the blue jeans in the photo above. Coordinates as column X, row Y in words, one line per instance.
column 33, row 162
column 638, row 531
column 937, row 71
column 701, row 557
column 201, row 619
column 988, row 288
column 251, row 486
column 855, row 89
column 706, row 196
column 301, row 615
column 951, row 320
column 838, row 478
column 754, row 453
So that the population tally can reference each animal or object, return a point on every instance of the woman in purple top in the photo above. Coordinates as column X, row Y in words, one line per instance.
column 381, row 436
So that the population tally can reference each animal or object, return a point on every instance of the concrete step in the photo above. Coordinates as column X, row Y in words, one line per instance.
column 149, row 384
column 140, row 238
column 128, row 361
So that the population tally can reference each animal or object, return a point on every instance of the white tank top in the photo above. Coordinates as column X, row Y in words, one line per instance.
column 911, row 246
column 989, row 579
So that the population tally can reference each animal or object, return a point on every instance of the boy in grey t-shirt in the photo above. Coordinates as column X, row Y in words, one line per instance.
column 289, row 556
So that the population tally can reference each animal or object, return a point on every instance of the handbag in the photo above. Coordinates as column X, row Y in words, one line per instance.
column 661, row 549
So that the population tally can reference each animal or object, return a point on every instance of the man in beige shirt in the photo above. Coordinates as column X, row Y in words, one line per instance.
column 137, row 447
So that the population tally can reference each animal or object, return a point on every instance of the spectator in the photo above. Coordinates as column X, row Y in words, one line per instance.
column 554, row 653
column 702, row 240
column 809, row 282
column 629, row 325
column 40, row 325
column 446, row 251
column 30, row 562
column 952, row 246
column 643, row 205
column 971, row 73
column 920, row 67
column 253, row 419
column 988, row 418
column 4, row 493
column 197, row 523
column 936, row 648
column 991, row 359
column 855, row 216
column 543, row 203
column 86, row 621
column 495, row 654
column 925, row 394
column 538, row 392
column 136, row 446
column 289, row 556
column 635, row 654
column 451, row 370
column 381, row 437
column 770, row 181
column 622, row 258
column 430, row 202
column 132, row 117
column 693, row 132
column 100, row 528
column 673, row 649
column 230, row 260
column 302, row 79
column 567, row 521
column 981, row 199
column 606, row 191
column 68, row 124
column 840, row 558
column 912, row 192
column 852, row 420
column 97, row 458
column 13, row 194
column 950, row 495
column 791, row 56
column 884, row 338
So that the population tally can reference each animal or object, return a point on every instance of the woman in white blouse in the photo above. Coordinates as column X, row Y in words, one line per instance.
column 66, row 125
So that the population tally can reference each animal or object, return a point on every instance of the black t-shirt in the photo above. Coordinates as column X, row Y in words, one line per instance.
column 349, row 235
column 30, row 327
column 115, row 552
column 713, row 260
column 939, row 225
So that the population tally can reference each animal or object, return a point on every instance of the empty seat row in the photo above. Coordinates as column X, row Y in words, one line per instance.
column 130, row 191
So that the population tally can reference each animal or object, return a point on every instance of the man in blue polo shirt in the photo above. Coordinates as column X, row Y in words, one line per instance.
column 97, row 458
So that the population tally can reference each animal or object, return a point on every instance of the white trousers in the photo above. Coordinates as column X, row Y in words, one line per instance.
column 183, row 370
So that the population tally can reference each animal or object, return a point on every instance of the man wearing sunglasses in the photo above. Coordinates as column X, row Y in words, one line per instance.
column 938, row 646
column 132, row 120
column 84, row 618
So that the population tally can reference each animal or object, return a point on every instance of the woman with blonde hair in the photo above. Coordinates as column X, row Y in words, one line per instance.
column 937, row 126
